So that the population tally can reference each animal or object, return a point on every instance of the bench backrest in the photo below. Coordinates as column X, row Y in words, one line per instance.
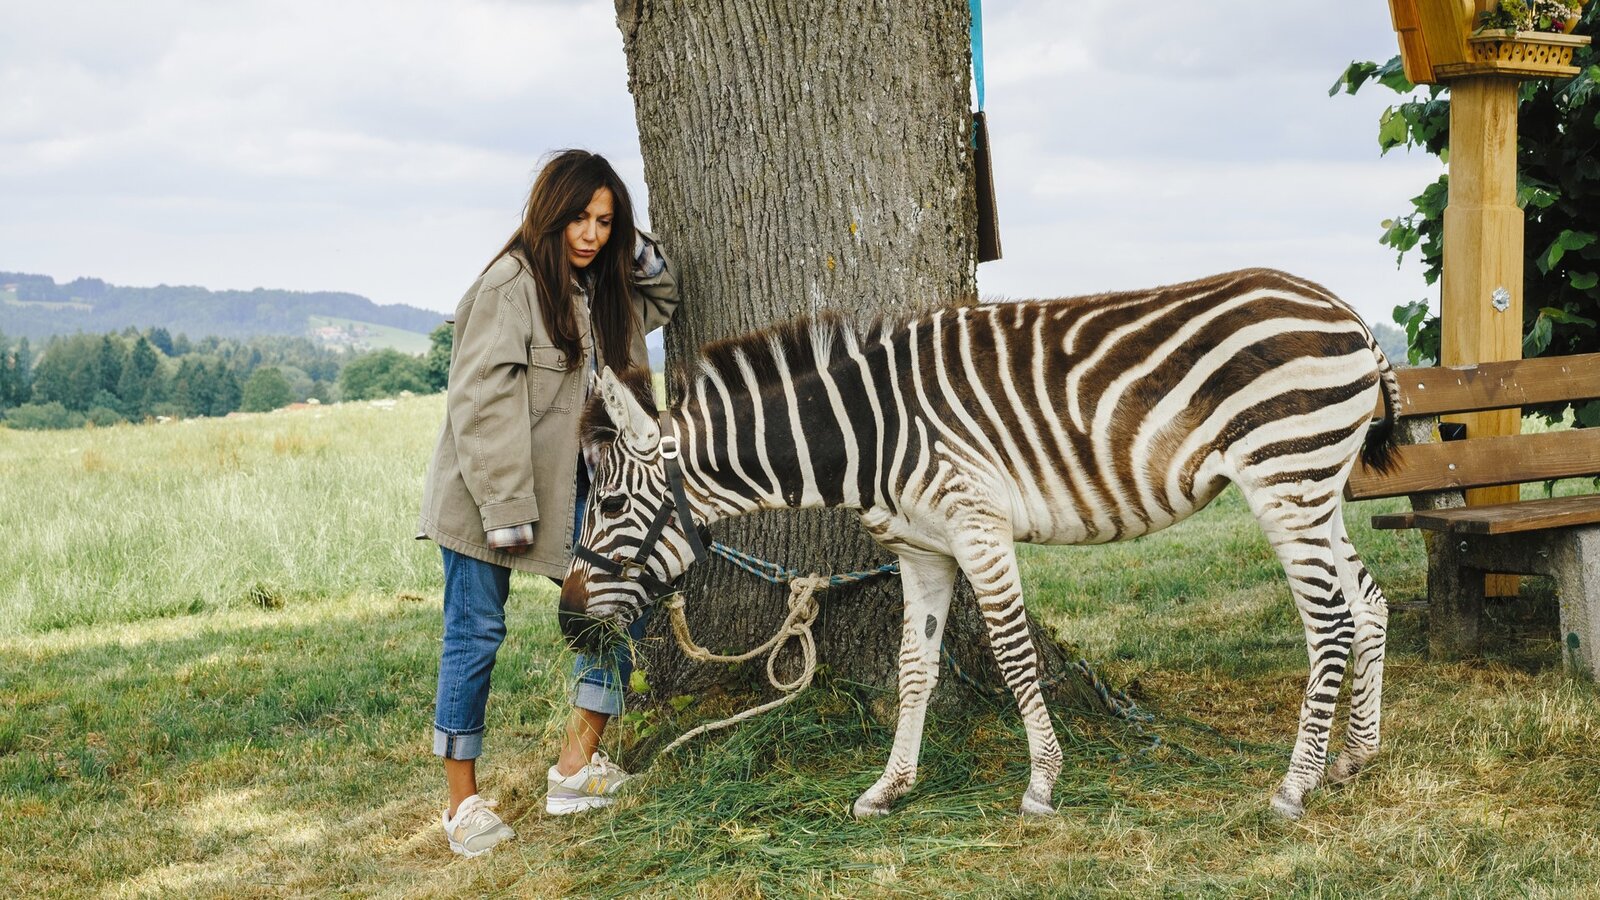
column 1489, row 461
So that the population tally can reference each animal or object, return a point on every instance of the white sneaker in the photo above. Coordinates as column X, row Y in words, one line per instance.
column 591, row 787
column 476, row 829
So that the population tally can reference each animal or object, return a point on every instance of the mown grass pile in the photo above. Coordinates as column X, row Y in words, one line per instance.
column 219, row 645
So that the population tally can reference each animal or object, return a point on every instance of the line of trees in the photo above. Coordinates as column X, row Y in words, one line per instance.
column 135, row 375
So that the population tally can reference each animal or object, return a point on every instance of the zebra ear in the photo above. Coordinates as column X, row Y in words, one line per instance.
column 634, row 423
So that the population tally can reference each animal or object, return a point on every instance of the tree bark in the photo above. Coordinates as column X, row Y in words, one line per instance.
column 806, row 155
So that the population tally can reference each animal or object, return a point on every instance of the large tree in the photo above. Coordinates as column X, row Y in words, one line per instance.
column 804, row 156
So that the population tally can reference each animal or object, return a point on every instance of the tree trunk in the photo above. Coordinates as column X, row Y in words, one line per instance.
column 804, row 155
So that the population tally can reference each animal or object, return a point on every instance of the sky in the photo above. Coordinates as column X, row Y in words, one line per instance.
column 386, row 148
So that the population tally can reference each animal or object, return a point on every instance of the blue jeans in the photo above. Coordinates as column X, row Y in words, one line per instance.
column 598, row 683
column 475, row 594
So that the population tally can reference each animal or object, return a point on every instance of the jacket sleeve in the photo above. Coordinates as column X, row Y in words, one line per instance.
column 488, row 401
column 655, row 283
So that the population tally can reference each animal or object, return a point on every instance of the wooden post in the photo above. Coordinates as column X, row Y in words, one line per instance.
column 1481, row 296
column 1480, row 304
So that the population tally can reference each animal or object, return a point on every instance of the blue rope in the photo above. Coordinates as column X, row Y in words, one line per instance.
column 776, row 574
column 977, row 49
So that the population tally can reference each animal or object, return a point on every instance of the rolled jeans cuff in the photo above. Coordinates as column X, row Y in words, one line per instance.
column 600, row 698
column 455, row 745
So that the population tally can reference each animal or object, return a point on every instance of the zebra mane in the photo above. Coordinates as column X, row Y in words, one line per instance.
column 803, row 344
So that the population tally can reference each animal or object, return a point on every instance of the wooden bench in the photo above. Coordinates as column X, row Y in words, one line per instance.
column 1556, row 537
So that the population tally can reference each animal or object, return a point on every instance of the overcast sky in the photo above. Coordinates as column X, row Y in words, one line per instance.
column 386, row 148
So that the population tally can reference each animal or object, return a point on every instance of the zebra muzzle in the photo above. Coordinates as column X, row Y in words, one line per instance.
column 584, row 633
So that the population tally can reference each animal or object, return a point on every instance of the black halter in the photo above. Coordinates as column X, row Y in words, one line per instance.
column 635, row 569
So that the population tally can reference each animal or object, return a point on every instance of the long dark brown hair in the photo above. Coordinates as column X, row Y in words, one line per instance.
column 562, row 190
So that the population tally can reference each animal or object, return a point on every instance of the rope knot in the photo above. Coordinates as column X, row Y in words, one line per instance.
column 803, row 611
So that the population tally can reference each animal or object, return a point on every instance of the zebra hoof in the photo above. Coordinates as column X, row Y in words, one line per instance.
column 1033, row 806
column 1347, row 767
column 866, row 808
column 1289, row 809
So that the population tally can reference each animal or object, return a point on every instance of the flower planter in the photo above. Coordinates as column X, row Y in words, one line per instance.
column 1438, row 42
column 1525, row 54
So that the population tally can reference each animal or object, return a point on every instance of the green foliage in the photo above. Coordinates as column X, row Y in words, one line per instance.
column 383, row 373
column 1527, row 15
column 1558, row 190
column 40, row 416
column 265, row 390
column 1422, row 332
column 127, row 373
column 161, row 340
column 102, row 416
column 68, row 372
column 437, row 362
column 140, row 386
column 16, row 372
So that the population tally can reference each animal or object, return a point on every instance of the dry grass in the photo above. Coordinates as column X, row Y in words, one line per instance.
column 219, row 682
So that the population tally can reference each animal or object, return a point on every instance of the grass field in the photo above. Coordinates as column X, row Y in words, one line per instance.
column 378, row 337
column 218, row 643
column 9, row 298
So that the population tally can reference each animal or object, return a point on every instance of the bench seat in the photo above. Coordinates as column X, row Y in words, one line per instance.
column 1501, row 518
column 1557, row 537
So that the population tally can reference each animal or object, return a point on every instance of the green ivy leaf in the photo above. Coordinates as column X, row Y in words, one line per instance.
column 1575, row 240
column 1434, row 198
column 1583, row 281
column 1551, row 257
column 1537, row 196
column 1587, row 414
column 638, row 683
column 1410, row 315
column 1353, row 78
column 681, row 702
column 1565, row 317
column 1392, row 75
column 1538, row 337
column 1392, row 129
column 1400, row 235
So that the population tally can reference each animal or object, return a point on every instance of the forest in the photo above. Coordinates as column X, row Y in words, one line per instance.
column 136, row 376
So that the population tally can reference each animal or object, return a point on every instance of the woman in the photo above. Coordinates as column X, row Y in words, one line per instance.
column 573, row 289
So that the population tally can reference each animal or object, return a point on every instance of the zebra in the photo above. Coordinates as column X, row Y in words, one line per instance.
column 958, row 433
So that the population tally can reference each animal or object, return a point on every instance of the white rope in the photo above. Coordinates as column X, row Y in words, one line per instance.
column 796, row 625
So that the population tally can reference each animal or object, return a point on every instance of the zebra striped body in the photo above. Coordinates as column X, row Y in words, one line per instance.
column 1074, row 421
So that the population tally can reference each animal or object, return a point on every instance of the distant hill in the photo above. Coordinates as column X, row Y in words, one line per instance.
column 34, row 306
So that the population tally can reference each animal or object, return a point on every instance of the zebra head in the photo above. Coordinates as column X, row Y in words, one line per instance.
column 638, row 535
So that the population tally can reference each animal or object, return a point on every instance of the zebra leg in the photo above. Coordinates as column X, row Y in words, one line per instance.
column 1301, row 536
column 990, row 562
column 928, row 580
column 1371, row 613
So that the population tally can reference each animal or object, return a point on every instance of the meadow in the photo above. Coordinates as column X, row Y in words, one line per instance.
column 218, row 643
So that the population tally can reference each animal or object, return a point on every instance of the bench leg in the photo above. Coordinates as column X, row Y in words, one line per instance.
column 1455, row 601
column 1576, row 555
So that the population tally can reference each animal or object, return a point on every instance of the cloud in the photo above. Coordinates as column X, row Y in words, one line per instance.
column 383, row 148
column 386, row 148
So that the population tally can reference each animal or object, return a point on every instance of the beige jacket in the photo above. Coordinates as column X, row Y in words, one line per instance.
column 508, row 450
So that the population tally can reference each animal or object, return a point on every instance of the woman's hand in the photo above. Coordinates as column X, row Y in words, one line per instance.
column 511, row 539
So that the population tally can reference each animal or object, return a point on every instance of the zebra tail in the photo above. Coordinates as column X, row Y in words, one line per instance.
column 1379, row 452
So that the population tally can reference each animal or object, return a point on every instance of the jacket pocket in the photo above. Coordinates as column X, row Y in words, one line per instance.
column 549, row 386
